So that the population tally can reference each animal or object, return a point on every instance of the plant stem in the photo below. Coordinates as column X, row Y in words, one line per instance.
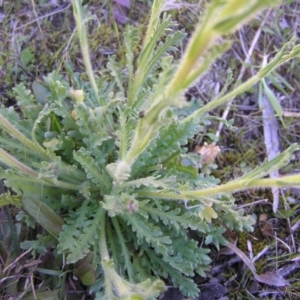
column 112, row 279
column 124, row 248
column 12, row 227
column 279, row 59
column 142, row 138
column 104, row 254
column 37, row 149
column 14, row 132
column 77, row 9
column 9, row 160
column 234, row 186
column 13, row 163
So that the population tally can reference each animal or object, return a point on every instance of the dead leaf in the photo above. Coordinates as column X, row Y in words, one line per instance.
column 297, row 258
column 225, row 251
column 125, row 3
column 266, row 229
column 120, row 14
column 262, row 218
column 242, row 256
column 269, row 278
column 2, row 17
column 290, row 268
column 172, row 4
column 265, row 226
column 208, row 152
column 291, row 114
column 271, row 140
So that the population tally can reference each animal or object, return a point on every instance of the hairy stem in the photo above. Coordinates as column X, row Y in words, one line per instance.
column 230, row 187
column 77, row 9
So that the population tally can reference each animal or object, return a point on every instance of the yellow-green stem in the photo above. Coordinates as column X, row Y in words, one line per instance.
column 230, row 187
column 77, row 9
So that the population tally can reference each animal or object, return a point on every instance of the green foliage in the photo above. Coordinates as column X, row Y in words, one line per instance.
column 100, row 167
column 27, row 56
column 7, row 198
column 80, row 232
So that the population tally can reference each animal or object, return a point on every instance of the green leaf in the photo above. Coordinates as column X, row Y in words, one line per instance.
column 235, row 12
column 173, row 217
column 125, row 133
column 285, row 214
column 91, row 127
column 7, row 198
column 215, row 52
column 216, row 237
column 154, row 20
column 166, row 183
column 108, row 157
column 207, row 213
column 40, row 92
column 26, row 101
column 92, row 169
column 86, row 273
column 44, row 215
column 186, row 285
column 148, row 232
column 119, row 171
column 116, row 72
column 80, row 232
column 274, row 102
column 274, row 77
column 49, row 295
column 27, row 56
column 267, row 167
column 40, row 244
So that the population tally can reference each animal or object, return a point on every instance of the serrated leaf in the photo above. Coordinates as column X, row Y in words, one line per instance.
column 216, row 237
column 117, row 74
column 92, row 169
column 186, row 285
column 26, row 101
column 7, row 198
column 174, row 217
column 145, row 231
column 166, row 183
column 80, row 232
column 119, row 171
column 207, row 213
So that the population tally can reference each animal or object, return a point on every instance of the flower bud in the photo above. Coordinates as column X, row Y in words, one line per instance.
column 77, row 95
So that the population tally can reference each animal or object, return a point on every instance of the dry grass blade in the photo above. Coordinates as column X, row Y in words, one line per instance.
column 271, row 140
column 247, row 60
column 17, row 259
column 291, row 114
column 242, row 256
column 125, row 3
column 271, row 278
column 173, row 4
column 268, row 278
column 56, row 11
